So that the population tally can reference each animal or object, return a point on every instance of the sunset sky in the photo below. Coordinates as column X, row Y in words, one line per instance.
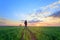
column 36, row 12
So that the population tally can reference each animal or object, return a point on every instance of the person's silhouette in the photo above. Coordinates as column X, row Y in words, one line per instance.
column 25, row 23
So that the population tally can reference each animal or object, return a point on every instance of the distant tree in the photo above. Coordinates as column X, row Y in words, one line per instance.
column 20, row 25
column 25, row 23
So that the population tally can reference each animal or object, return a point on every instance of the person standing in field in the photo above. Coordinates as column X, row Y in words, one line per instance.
column 25, row 23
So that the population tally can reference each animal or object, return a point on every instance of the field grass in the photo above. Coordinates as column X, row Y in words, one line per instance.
column 46, row 33
column 41, row 33
column 10, row 33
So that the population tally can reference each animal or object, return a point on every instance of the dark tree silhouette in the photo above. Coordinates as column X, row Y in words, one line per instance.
column 25, row 23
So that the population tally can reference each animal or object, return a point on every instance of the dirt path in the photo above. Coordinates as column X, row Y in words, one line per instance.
column 33, row 37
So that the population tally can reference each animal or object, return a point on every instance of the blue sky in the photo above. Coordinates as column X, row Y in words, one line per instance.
column 8, row 8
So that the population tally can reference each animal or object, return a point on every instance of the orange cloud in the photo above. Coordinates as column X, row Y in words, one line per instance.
column 49, row 21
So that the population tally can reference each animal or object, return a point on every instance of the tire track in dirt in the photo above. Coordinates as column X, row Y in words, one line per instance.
column 33, row 37
column 51, row 37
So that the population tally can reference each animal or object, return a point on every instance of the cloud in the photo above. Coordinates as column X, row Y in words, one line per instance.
column 57, row 14
column 40, row 13
column 45, row 11
column 46, row 14
column 53, row 5
column 6, row 22
column 34, row 21
column 51, row 20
